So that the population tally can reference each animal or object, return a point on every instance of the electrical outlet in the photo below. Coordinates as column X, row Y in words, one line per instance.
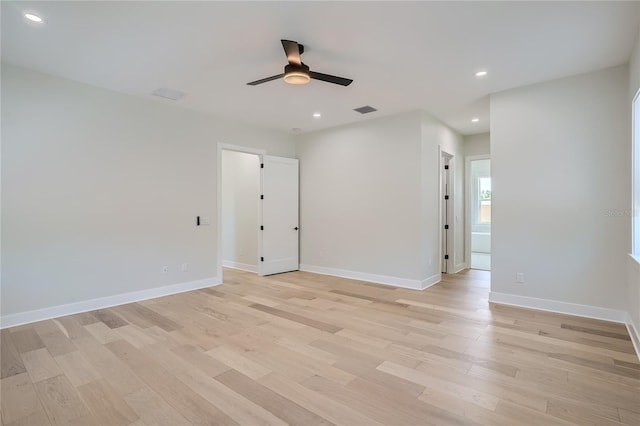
column 520, row 277
column 183, row 268
column 164, row 270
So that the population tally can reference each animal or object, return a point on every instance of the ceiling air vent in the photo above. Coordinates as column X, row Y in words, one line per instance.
column 172, row 94
column 365, row 109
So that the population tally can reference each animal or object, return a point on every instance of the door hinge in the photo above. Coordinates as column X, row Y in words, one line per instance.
column 446, row 197
column 262, row 228
column 446, row 227
column 262, row 197
column 446, row 167
column 262, row 165
column 446, row 257
column 262, row 259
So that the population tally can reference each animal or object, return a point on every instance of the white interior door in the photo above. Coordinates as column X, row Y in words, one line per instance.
column 279, row 232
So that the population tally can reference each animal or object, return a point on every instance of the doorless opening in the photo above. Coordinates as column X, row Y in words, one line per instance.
column 479, row 212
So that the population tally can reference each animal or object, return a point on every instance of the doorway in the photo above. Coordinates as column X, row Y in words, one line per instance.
column 257, row 199
column 479, row 212
column 240, row 210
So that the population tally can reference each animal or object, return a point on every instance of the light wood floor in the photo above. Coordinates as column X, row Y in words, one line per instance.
column 306, row 349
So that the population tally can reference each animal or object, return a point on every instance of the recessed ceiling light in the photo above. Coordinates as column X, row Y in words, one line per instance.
column 317, row 115
column 32, row 17
column 475, row 120
column 481, row 74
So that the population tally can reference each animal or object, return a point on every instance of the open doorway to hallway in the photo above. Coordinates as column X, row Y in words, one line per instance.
column 479, row 212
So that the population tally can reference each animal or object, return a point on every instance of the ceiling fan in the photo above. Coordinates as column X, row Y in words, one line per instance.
column 296, row 72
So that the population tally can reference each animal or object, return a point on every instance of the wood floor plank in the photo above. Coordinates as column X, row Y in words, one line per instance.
column 60, row 400
column 56, row 341
column 27, row 340
column 628, row 417
column 187, row 402
column 71, row 327
column 137, row 337
column 9, row 355
column 37, row 418
column 102, row 333
column 153, row 410
column 584, row 414
column 283, row 408
column 472, row 412
column 324, row 407
column 145, row 317
column 456, row 390
column 106, row 405
column 238, row 362
column 297, row 318
column 236, row 406
column 306, row 349
column 200, row 360
column 84, row 318
column 109, row 318
column 377, row 402
column 40, row 365
column 18, row 398
column 77, row 368
column 109, row 366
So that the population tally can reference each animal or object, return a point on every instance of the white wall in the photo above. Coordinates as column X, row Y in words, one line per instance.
column 240, row 209
column 100, row 190
column 369, row 195
column 360, row 197
column 560, row 155
column 633, row 281
column 477, row 144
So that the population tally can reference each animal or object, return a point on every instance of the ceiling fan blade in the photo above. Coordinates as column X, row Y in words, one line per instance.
column 330, row 78
column 292, row 50
column 264, row 80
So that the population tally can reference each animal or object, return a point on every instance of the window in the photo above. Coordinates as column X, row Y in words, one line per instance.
column 484, row 200
column 635, row 180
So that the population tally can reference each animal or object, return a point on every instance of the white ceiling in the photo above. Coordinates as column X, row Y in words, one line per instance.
column 401, row 55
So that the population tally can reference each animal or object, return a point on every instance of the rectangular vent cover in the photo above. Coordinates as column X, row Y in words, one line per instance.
column 365, row 109
column 172, row 94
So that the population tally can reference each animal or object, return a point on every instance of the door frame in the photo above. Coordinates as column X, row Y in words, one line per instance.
column 237, row 148
column 468, row 183
column 450, row 263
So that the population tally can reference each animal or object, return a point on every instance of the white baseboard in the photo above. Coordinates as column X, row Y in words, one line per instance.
column 241, row 266
column 432, row 280
column 586, row 311
column 460, row 267
column 373, row 278
column 635, row 336
column 21, row 318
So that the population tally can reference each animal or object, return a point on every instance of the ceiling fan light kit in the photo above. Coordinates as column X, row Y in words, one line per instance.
column 295, row 72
